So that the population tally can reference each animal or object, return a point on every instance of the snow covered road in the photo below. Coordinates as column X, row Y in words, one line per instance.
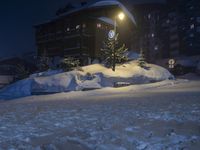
column 151, row 118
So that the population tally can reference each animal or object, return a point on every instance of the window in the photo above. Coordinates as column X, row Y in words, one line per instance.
column 68, row 29
column 149, row 16
column 168, row 21
column 98, row 25
column 192, row 26
column 156, row 48
column 77, row 27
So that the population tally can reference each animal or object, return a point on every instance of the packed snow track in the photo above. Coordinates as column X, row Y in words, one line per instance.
column 153, row 118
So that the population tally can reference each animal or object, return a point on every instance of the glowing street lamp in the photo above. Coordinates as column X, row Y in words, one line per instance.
column 121, row 16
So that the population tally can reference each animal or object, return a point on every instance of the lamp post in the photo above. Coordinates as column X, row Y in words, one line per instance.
column 120, row 16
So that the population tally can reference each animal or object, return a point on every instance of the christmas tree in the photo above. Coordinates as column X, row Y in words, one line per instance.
column 141, row 59
column 112, row 52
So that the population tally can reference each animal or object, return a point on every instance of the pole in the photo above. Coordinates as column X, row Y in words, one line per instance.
column 114, row 51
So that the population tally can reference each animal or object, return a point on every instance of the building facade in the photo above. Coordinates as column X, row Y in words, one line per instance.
column 180, row 33
column 80, row 33
column 164, row 29
column 190, row 27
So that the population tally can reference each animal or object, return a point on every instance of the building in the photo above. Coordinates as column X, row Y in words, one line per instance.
column 163, row 29
column 80, row 32
column 180, row 33
column 190, row 27
column 170, row 30
column 148, row 17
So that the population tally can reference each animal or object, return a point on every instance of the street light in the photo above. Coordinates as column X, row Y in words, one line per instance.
column 121, row 17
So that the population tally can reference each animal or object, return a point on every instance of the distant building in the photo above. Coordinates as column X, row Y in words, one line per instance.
column 190, row 27
column 180, row 33
column 14, row 65
column 148, row 18
column 170, row 30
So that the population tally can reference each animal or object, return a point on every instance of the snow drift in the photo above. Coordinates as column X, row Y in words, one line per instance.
column 94, row 76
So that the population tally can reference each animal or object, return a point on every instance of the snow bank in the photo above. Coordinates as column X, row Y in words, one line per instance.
column 19, row 89
column 94, row 76
column 132, row 55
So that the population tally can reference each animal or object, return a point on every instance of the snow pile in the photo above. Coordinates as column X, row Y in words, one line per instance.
column 18, row 89
column 132, row 55
column 94, row 76
column 61, row 82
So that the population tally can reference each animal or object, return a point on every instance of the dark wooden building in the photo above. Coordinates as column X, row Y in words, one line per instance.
column 80, row 32
column 164, row 29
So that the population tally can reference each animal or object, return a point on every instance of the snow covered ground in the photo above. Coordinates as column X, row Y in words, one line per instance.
column 156, row 116
column 89, row 77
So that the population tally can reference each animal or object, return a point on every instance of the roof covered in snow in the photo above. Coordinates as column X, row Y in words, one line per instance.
column 145, row 1
column 101, row 3
column 107, row 20
column 123, row 4
column 114, row 3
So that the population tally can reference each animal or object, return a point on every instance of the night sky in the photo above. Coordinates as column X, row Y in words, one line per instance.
column 17, row 20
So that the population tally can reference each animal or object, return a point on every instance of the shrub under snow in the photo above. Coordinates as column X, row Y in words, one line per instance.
column 92, row 76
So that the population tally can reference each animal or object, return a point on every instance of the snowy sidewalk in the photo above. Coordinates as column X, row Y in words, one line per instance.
column 151, row 118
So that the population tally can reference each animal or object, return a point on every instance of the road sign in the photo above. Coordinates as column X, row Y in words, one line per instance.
column 111, row 34
column 171, row 61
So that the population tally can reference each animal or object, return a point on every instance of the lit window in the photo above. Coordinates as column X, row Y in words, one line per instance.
column 192, row 26
column 98, row 25
column 78, row 27
column 168, row 21
column 149, row 16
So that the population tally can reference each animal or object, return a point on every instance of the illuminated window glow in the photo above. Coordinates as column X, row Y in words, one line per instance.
column 98, row 25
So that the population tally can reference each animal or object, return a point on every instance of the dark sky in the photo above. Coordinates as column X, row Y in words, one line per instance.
column 17, row 18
